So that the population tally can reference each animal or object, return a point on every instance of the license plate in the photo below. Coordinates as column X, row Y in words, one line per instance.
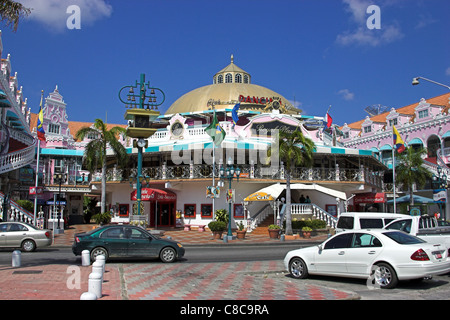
column 437, row 254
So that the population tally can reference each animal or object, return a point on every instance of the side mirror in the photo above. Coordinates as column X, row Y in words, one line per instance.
column 320, row 247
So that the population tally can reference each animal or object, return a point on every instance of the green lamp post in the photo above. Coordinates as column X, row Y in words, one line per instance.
column 142, row 110
column 229, row 173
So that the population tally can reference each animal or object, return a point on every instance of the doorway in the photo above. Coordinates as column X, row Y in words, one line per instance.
column 162, row 214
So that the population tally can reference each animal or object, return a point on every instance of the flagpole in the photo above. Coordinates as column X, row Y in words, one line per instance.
column 213, row 173
column 393, row 173
column 37, row 181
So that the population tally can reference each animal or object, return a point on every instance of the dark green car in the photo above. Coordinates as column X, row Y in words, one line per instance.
column 126, row 241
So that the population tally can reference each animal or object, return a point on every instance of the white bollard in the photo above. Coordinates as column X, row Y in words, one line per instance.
column 88, row 296
column 16, row 258
column 97, row 268
column 101, row 258
column 85, row 258
column 95, row 284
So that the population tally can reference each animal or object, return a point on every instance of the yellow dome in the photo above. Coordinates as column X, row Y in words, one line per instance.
column 230, row 86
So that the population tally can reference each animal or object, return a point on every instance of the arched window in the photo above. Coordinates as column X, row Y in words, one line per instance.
column 228, row 78
column 220, row 79
column 238, row 78
column 245, row 78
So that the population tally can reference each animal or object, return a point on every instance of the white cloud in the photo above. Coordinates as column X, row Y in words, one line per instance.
column 52, row 13
column 360, row 34
column 346, row 94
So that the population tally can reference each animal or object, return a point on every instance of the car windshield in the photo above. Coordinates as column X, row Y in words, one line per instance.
column 403, row 238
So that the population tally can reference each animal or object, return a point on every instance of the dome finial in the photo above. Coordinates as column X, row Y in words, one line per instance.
column 232, row 58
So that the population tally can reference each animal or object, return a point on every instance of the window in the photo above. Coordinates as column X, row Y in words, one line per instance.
column 238, row 78
column 113, row 233
column 367, row 129
column 246, row 80
column 220, row 79
column 423, row 114
column 402, row 225
column 133, row 233
column 189, row 210
column 124, row 210
column 92, row 135
column 17, row 227
column 206, row 210
column 346, row 135
column 239, row 211
column 228, row 78
column 364, row 240
column 53, row 128
column 393, row 122
column 371, row 223
column 345, row 222
column 403, row 238
column 339, row 242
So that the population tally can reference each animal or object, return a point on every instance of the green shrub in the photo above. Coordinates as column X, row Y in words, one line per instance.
column 217, row 226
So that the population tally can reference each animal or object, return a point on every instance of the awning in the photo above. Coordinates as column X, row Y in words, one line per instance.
column 415, row 141
column 379, row 197
column 386, row 147
column 417, row 199
column 150, row 194
column 272, row 192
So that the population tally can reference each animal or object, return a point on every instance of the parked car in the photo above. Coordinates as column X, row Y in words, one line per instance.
column 126, row 241
column 22, row 235
column 443, row 223
column 386, row 256
column 365, row 220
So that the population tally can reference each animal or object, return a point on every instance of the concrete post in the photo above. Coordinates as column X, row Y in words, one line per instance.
column 95, row 284
column 101, row 258
column 16, row 258
column 88, row 296
column 85, row 258
column 98, row 268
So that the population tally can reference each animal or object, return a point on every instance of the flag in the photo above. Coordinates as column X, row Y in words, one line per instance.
column 328, row 120
column 234, row 112
column 399, row 145
column 40, row 122
column 215, row 131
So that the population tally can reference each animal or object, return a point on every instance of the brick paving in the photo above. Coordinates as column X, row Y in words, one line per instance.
column 261, row 280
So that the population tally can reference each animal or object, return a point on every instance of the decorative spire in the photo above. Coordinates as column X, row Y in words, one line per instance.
column 232, row 58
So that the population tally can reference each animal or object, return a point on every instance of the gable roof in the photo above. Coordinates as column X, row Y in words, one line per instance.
column 442, row 100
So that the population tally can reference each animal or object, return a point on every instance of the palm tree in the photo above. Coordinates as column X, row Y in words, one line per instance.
column 95, row 152
column 410, row 169
column 294, row 150
column 11, row 12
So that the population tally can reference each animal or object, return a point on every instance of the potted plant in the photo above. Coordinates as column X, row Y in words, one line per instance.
column 102, row 218
column 306, row 232
column 274, row 231
column 241, row 232
column 217, row 228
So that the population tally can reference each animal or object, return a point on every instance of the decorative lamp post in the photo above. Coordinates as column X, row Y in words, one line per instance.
column 440, row 185
column 59, row 177
column 140, row 114
column 415, row 82
column 229, row 173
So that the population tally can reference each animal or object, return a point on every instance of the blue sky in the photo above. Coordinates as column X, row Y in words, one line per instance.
column 318, row 52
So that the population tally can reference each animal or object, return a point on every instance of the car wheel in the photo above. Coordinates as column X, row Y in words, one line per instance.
column 28, row 245
column 97, row 252
column 298, row 268
column 384, row 276
column 168, row 255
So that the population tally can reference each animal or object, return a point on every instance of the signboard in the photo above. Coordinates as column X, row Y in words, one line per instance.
column 440, row 196
column 379, row 197
column 149, row 194
column 36, row 190
column 230, row 195
column 259, row 196
column 414, row 211
column 212, row 192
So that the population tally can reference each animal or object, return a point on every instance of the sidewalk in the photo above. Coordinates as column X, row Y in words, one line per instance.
column 159, row 281
column 186, row 238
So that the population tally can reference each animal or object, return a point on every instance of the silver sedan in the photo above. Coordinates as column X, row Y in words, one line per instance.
column 21, row 235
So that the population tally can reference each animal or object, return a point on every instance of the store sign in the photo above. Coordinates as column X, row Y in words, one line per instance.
column 255, row 100
column 259, row 196
column 379, row 197
column 149, row 194
column 36, row 190
column 440, row 195
column 265, row 128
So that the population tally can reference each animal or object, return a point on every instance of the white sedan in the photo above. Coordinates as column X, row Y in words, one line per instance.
column 382, row 256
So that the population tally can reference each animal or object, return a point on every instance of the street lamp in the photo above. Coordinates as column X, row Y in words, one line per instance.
column 229, row 173
column 59, row 177
column 415, row 82
column 140, row 114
